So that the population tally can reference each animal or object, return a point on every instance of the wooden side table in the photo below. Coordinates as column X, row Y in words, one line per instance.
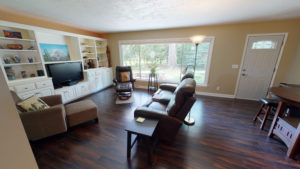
column 146, row 130
column 152, row 82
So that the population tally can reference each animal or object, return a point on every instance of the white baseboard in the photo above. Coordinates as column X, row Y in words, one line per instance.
column 215, row 95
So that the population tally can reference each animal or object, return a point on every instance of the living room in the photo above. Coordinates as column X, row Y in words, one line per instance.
column 150, row 85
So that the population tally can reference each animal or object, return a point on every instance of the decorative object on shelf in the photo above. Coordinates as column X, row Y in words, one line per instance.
column 10, row 73
column 15, row 46
column 6, row 60
column 84, row 43
column 91, row 64
column 40, row 72
column 12, row 34
column 30, row 59
column 24, row 74
column 85, row 57
column 32, row 75
column 30, row 48
column 85, row 51
column 108, row 56
column 54, row 52
column 16, row 59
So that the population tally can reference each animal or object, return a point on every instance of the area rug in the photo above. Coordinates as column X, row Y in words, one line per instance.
column 128, row 101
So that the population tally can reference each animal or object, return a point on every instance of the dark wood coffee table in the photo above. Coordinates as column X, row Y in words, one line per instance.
column 146, row 130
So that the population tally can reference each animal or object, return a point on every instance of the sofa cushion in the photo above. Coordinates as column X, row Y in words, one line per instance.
column 157, row 106
column 33, row 104
column 162, row 96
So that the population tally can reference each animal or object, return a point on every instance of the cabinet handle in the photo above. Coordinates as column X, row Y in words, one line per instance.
column 25, row 88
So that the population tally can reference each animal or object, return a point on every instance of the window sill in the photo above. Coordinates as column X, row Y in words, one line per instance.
column 146, row 80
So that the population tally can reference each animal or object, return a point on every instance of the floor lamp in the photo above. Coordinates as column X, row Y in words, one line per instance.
column 196, row 40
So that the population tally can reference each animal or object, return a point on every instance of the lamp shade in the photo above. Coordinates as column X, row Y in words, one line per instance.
column 197, row 39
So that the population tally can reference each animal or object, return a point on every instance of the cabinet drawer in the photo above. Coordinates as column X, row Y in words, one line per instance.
column 44, row 92
column 24, row 88
column 43, row 84
column 26, row 95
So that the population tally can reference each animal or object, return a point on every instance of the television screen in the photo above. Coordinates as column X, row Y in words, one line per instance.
column 65, row 73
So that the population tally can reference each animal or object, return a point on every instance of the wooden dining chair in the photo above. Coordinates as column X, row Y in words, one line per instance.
column 266, row 110
column 288, row 130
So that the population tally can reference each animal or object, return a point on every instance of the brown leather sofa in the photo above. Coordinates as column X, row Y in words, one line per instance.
column 172, row 115
column 44, row 123
column 166, row 90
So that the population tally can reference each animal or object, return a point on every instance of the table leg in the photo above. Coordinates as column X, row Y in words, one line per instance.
column 149, row 150
column 279, row 112
column 128, row 144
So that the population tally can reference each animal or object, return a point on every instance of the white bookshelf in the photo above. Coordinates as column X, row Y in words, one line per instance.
column 15, row 69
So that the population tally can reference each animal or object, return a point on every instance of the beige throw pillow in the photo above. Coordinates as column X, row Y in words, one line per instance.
column 125, row 76
column 33, row 104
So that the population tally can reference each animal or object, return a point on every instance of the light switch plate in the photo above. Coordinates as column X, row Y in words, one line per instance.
column 235, row 66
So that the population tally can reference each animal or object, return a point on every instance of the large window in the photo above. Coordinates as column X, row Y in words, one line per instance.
column 169, row 56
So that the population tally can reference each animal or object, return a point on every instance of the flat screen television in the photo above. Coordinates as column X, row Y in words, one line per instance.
column 65, row 74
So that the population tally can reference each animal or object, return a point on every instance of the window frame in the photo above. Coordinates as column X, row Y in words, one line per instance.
column 210, row 39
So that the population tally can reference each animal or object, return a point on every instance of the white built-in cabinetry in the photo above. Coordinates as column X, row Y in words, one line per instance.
column 38, row 86
column 95, row 80
column 81, row 49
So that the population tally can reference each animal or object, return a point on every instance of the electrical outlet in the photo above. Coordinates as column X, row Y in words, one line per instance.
column 218, row 88
column 235, row 66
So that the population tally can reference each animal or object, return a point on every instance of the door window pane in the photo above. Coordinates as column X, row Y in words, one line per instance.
column 264, row 45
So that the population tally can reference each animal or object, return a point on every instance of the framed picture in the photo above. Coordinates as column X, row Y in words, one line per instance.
column 54, row 52
column 12, row 34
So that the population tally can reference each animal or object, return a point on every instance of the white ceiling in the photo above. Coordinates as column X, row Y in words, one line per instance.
column 132, row 15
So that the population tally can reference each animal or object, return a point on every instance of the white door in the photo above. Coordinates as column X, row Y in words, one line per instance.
column 260, row 58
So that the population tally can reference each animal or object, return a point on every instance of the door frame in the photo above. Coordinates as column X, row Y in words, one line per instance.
column 244, row 54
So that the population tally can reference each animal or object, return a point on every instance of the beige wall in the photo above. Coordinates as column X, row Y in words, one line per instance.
column 15, row 151
column 293, row 75
column 228, row 47
column 18, row 17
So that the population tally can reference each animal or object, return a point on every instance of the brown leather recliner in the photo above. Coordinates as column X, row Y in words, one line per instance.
column 165, row 91
column 124, row 89
column 172, row 115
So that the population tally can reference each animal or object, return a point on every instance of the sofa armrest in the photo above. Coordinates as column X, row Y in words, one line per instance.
column 168, row 86
column 44, row 123
column 52, row 100
column 154, row 114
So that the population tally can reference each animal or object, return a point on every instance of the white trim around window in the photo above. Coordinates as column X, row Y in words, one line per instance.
column 210, row 39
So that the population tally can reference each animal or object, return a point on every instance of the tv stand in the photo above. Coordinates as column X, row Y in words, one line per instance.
column 70, row 83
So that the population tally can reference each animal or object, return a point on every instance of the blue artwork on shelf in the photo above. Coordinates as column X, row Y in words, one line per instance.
column 54, row 52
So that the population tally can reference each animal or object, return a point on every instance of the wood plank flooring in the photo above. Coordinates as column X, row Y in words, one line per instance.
column 224, row 136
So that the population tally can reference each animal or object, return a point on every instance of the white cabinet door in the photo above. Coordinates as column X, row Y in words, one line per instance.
column 92, row 85
column 82, row 89
column 67, row 93
column 44, row 92
column 99, row 82
column 110, row 76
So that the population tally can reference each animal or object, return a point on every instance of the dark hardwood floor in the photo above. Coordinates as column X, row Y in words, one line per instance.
column 224, row 136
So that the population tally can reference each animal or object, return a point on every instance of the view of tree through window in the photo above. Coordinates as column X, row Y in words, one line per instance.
column 168, row 58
